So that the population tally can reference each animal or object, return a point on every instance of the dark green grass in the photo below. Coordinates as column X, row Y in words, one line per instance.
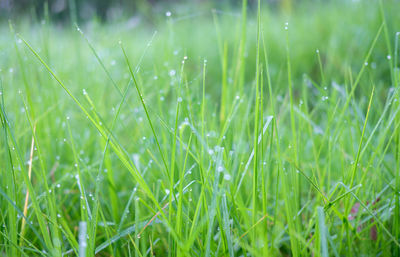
column 205, row 133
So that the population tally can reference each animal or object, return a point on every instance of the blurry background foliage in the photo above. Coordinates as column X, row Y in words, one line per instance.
column 110, row 10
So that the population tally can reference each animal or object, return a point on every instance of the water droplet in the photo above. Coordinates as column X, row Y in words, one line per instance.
column 366, row 63
column 58, row 186
column 155, row 77
column 168, row 14
column 227, row 177
column 76, row 164
column 113, row 62
column 59, row 215
column 84, row 92
column 220, row 169
column 179, row 99
column 317, row 51
column 185, row 57
column 167, row 191
column 389, row 57
column 172, row 73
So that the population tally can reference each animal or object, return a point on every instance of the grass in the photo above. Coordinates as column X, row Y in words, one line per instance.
column 206, row 132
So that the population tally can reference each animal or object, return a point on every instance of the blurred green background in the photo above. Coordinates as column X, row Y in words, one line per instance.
column 111, row 10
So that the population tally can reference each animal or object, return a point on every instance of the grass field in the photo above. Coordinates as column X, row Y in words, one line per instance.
column 245, row 131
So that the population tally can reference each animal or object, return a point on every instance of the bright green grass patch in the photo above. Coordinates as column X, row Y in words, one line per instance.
column 209, row 133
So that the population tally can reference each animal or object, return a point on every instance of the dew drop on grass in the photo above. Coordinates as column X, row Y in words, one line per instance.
column 227, row 177
column 389, row 57
column 366, row 63
column 172, row 73
column 155, row 77
column 58, row 186
column 179, row 99
column 84, row 92
column 59, row 215
column 185, row 57
column 220, row 169
column 168, row 14
column 167, row 191
column 317, row 51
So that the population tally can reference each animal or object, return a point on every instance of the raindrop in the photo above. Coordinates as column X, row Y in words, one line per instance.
column 179, row 99
column 227, row 177
column 168, row 14
column 172, row 73
column 389, row 57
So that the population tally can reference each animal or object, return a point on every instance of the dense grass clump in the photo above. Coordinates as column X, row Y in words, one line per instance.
column 249, row 132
